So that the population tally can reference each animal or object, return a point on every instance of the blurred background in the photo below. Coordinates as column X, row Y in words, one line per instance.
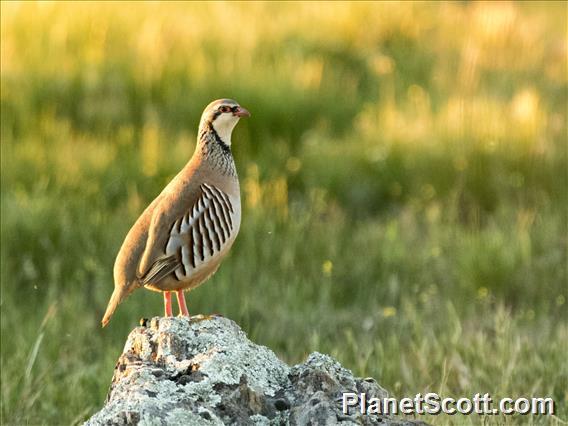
column 403, row 176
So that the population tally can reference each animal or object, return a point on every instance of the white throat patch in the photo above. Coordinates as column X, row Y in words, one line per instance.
column 224, row 125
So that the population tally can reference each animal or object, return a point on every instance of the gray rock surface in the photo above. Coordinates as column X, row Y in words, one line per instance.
column 204, row 371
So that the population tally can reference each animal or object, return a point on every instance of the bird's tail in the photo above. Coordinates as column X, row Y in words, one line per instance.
column 118, row 295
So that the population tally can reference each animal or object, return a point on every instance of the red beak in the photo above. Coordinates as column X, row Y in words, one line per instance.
column 241, row 112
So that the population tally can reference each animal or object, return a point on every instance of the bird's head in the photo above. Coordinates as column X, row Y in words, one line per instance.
column 222, row 116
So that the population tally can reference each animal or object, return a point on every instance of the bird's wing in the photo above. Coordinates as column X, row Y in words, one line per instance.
column 192, row 238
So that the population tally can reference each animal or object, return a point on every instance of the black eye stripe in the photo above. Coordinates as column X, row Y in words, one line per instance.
column 226, row 108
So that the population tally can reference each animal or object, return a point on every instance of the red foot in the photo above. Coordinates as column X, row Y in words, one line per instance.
column 181, row 302
column 168, row 303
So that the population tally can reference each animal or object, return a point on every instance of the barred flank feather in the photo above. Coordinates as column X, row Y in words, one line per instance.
column 198, row 236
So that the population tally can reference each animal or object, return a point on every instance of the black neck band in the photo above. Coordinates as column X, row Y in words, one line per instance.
column 218, row 139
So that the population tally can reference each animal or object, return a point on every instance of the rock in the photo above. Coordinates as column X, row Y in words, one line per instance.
column 204, row 371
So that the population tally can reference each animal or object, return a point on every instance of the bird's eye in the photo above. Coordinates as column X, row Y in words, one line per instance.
column 225, row 108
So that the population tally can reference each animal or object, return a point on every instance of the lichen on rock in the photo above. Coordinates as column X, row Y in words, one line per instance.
column 205, row 371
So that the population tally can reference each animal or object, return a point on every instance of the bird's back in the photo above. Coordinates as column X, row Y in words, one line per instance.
column 132, row 248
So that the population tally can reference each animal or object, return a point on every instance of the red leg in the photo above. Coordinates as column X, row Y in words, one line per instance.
column 181, row 302
column 168, row 303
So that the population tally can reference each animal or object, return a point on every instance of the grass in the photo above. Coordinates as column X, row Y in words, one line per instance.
column 403, row 180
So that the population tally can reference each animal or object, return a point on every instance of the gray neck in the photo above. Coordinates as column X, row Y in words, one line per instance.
column 216, row 152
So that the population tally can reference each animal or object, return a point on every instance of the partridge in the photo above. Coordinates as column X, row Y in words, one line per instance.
column 183, row 235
